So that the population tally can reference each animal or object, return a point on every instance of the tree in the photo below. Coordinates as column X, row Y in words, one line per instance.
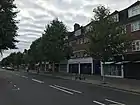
column 53, row 42
column 26, row 57
column 35, row 51
column 18, row 59
column 8, row 27
column 107, row 37
column 14, row 59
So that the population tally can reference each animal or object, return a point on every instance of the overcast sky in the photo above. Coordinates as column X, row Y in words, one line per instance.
column 35, row 14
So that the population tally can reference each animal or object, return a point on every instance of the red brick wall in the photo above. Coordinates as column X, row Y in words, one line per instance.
column 135, row 35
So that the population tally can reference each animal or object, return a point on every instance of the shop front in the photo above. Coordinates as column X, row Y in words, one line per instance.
column 110, row 69
column 80, row 65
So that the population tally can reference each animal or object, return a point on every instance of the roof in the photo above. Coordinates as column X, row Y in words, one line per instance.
column 115, row 12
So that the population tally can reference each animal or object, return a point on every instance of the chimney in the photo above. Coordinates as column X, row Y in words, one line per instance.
column 76, row 26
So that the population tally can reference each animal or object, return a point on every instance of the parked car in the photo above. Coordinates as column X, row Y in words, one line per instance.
column 3, row 67
column 10, row 68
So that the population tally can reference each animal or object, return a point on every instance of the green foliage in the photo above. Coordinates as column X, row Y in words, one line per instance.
column 26, row 57
column 51, row 47
column 107, row 37
column 15, row 59
column 35, row 51
column 53, row 41
column 8, row 27
column 68, row 52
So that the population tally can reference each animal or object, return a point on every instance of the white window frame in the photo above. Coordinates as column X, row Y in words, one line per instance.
column 116, row 17
column 135, row 26
column 134, row 11
column 78, row 32
column 136, row 45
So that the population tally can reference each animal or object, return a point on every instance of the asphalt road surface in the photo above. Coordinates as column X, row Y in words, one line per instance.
column 18, row 88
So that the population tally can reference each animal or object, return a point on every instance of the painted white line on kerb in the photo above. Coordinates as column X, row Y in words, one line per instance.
column 61, row 89
column 99, row 103
column 118, row 103
column 68, row 89
column 24, row 76
column 37, row 81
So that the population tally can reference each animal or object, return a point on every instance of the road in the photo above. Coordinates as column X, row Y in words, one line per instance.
column 18, row 88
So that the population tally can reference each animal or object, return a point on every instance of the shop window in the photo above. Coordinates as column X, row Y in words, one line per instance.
column 112, row 70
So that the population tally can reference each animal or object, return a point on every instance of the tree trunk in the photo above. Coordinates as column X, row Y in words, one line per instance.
column 17, row 67
column 53, row 67
column 103, row 79
column 45, row 69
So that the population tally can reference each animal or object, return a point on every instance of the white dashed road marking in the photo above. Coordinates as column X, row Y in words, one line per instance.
column 15, row 86
column 118, row 103
column 17, row 74
column 16, row 89
column 37, row 81
column 24, row 76
column 61, row 89
column 99, row 103
column 68, row 89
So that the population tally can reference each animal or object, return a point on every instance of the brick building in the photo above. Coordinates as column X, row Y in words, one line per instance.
column 81, row 62
column 128, row 66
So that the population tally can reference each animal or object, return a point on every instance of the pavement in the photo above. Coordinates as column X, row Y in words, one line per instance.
column 20, row 88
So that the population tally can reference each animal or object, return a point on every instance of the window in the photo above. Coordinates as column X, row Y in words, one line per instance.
column 136, row 45
column 116, row 17
column 70, row 44
column 78, row 54
column 124, row 29
column 87, row 28
column 85, row 54
column 85, row 40
column 81, row 41
column 135, row 26
column 134, row 11
column 78, row 32
column 113, row 70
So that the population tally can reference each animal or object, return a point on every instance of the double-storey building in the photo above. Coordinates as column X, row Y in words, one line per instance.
column 128, row 65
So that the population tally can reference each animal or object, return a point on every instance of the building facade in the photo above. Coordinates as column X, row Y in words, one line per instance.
column 128, row 65
column 81, row 62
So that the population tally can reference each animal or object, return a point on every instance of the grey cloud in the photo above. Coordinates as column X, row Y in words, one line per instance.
column 36, row 26
column 29, row 38
column 89, row 8
column 64, row 4
column 81, row 19
column 26, row 4
column 30, row 30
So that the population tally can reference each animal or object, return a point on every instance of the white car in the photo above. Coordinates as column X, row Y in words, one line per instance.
column 3, row 67
column 9, row 68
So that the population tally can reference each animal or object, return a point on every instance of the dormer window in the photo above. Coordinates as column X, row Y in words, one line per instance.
column 134, row 11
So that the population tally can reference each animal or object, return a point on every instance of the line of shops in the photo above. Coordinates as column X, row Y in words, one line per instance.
column 128, row 68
